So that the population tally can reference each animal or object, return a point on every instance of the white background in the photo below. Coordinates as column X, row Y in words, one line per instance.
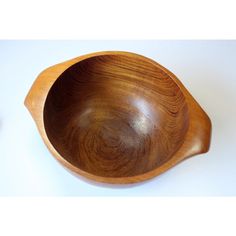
column 123, row 19
column 206, row 68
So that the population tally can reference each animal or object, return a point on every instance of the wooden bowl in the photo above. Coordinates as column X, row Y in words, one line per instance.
column 117, row 117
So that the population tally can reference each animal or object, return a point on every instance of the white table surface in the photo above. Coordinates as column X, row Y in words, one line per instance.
column 206, row 68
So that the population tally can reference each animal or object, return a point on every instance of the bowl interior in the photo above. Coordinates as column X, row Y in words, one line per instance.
column 115, row 115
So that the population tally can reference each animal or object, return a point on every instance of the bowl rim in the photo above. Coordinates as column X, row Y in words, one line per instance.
column 47, row 78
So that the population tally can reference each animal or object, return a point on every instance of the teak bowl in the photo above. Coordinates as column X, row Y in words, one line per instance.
column 117, row 117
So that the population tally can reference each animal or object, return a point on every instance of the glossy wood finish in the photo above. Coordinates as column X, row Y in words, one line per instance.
column 117, row 117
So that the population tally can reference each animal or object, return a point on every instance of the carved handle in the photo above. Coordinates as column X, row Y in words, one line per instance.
column 197, row 139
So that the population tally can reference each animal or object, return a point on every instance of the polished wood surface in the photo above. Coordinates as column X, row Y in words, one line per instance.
column 117, row 117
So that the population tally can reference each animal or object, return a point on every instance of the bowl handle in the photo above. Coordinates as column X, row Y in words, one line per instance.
column 37, row 94
column 198, row 137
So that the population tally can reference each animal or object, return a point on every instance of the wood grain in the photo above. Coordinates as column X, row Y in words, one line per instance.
column 117, row 117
